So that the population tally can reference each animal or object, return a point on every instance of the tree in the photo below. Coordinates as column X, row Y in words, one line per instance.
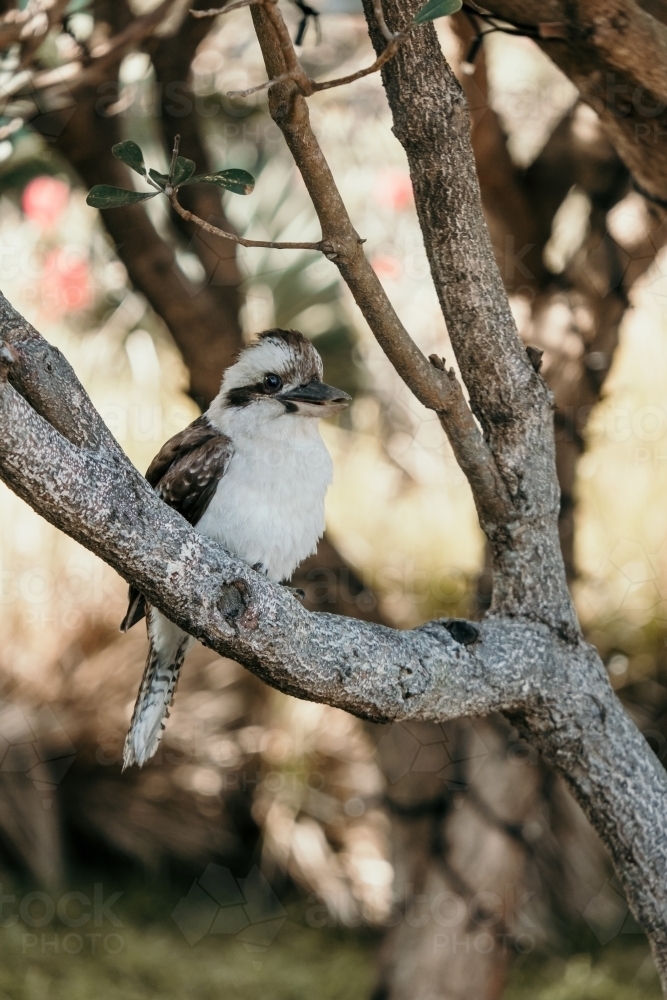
column 527, row 658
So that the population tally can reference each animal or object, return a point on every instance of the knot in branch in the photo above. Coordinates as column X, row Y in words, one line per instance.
column 232, row 600
column 338, row 249
column 461, row 631
column 234, row 604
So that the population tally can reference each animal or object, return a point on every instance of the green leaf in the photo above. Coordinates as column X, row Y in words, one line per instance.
column 183, row 171
column 238, row 181
column 159, row 178
column 436, row 8
column 106, row 196
column 130, row 154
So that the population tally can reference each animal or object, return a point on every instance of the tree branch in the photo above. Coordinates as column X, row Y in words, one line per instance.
column 80, row 480
column 615, row 53
column 520, row 207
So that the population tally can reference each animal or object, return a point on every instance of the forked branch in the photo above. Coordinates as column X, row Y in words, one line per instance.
column 295, row 71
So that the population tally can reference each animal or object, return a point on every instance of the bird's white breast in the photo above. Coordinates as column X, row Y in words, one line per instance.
column 269, row 505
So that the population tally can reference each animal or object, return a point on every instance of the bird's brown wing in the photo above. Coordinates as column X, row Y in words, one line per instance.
column 185, row 474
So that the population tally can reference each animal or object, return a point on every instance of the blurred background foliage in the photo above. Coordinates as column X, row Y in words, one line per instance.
column 247, row 777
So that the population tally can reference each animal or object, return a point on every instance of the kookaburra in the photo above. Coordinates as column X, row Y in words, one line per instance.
column 252, row 473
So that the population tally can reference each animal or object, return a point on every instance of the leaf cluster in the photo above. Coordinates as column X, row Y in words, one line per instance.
column 181, row 174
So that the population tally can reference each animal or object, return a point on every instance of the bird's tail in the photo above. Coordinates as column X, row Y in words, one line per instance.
column 167, row 649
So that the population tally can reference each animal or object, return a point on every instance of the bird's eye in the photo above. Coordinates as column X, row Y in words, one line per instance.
column 272, row 382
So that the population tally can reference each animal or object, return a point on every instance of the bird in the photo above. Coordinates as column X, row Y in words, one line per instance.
column 251, row 473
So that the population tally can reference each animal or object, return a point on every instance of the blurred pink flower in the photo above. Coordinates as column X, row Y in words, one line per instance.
column 66, row 285
column 393, row 189
column 387, row 267
column 44, row 200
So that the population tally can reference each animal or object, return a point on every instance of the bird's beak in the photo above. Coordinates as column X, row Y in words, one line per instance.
column 315, row 398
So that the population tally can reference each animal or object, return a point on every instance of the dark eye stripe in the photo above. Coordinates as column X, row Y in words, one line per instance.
column 244, row 395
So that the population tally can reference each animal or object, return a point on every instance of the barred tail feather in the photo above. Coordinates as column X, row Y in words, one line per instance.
column 166, row 652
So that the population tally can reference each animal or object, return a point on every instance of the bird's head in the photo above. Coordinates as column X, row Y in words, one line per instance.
column 279, row 374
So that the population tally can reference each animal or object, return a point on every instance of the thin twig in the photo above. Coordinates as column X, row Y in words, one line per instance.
column 260, row 86
column 172, row 166
column 308, row 86
column 189, row 216
column 382, row 24
column 214, row 11
column 389, row 52
column 149, row 180
column 315, row 86
column 322, row 246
